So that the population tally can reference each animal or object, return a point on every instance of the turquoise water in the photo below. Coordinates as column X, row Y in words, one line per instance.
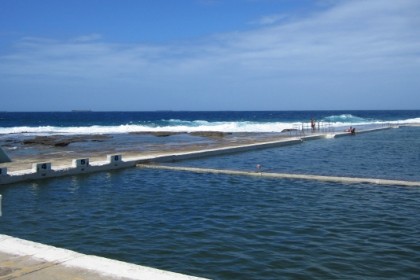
column 233, row 227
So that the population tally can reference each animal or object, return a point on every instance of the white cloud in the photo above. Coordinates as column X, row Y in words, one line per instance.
column 88, row 38
column 270, row 19
column 352, row 42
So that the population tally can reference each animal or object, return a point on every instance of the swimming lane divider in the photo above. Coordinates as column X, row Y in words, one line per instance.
column 336, row 179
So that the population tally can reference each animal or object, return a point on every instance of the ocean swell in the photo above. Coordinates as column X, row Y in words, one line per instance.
column 173, row 125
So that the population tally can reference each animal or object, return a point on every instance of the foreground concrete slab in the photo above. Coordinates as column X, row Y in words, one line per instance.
column 25, row 260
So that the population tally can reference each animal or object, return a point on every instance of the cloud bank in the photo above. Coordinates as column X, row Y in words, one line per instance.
column 355, row 54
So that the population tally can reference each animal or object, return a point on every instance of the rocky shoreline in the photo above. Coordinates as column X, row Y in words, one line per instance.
column 64, row 141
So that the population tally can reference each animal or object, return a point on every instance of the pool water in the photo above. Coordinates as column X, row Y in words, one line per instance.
column 388, row 154
column 234, row 227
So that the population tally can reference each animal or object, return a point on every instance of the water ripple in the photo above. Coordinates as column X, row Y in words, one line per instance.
column 225, row 227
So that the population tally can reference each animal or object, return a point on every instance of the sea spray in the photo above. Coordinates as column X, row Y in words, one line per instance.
column 65, row 123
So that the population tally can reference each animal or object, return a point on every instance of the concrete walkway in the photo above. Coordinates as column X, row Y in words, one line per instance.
column 58, row 168
column 46, row 170
column 336, row 179
column 25, row 260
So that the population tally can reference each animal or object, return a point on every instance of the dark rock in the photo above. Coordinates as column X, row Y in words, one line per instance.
column 40, row 140
column 162, row 133
column 156, row 133
column 61, row 144
column 63, row 141
column 213, row 134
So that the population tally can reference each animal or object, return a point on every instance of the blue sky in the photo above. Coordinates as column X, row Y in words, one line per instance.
column 209, row 55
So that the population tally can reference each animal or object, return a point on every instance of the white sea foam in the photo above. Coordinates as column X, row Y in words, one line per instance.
column 198, row 125
column 187, row 127
column 409, row 121
column 345, row 118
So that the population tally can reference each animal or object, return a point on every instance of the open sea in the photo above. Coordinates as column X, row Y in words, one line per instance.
column 223, row 226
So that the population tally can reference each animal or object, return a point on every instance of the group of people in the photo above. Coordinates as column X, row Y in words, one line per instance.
column 352, row 130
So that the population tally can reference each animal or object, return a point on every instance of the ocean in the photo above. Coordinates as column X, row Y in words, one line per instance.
column 44, row 123
column 221, row 226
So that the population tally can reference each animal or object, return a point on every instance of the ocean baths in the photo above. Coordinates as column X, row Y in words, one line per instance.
column 80, row 166
column 225, row 227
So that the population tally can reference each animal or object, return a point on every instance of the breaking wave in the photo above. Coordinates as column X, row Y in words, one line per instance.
column 346, row 118
column 176, row 125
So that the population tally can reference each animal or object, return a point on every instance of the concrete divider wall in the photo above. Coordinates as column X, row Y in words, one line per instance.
column 337, row 179
column 114, row 160
column 221, row 151
column 41, row 169
column 79, row 166
column 346, row 133
column 84, row 165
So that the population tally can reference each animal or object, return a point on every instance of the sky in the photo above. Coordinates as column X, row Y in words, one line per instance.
column 140, row 55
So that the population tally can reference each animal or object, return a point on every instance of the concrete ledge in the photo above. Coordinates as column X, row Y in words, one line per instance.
column 41, row 169
column 345, row 133
column 221, row 151
column 80, row 166
column 31, row 260
column 337, row 179
column 314, row 137
column 114, row 160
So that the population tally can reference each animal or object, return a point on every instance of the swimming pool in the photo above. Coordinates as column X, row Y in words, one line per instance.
column 233, row 227
column 387, row 154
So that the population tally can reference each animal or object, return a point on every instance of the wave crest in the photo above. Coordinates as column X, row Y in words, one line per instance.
column 174, row 125
column 346, row 118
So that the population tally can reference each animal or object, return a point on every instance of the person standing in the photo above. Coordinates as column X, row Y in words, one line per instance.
column 313, row 124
